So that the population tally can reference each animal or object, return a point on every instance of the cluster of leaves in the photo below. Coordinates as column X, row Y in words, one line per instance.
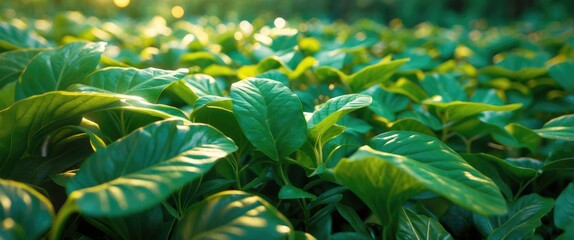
column 242, row 131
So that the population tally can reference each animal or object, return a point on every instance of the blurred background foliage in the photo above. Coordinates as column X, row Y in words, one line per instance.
column 411, row 12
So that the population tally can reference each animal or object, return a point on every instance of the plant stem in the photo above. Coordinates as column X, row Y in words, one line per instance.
column 67, row 209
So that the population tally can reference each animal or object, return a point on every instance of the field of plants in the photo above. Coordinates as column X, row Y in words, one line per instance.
column 209, row 129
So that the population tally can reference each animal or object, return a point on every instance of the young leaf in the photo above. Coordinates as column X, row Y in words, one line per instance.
column 145, row 167
column 24, row 122
column 416, row 226
column 373, row 74
column 270, row 115
column 454, row 111
column 233, row 215
column 146, row 83
column 333, row 110
column 561, row 128
column 25, row 213
column 521, row 221
column 289, row 191
column 564, row 210
column 59, row 68
column 386, row 104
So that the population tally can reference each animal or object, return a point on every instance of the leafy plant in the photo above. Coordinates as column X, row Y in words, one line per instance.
column 245, row 131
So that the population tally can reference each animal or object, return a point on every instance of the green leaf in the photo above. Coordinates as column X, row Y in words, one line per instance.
column 521, row 221
column 150, row 224
column 373, row 74
column 386, row 104
column 7, row 95
column 560, row 128
column 352, row 217
column 270, row 115
column 469, row 188
column 25, row 213
column 454, row 111
column 516, row 67
column 413, row 125
column 27, row 122
column 147, row 83
column 291, row 192
column 520, row 136
column 407, row 88
column 233, row 215
column 59, row 68
column 145, row 167
column 416, row 226
column 12, row 37
column 564, row 210
column 13, row 63
column 332, row 111
column 562, row 74
column 443, row 87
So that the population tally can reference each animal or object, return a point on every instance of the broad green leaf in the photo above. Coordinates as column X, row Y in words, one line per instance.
column 416, row 226
column 523, row 218
column 147, row 83
column 488, row 96
column 150, row 224
column 217, row 112
column 333, row 110
column 373, row 74
column 407, row 88
column 562, row 74
column 289, row 191
column 352, row 217
column 386, row 104
column 233, row 215
column 454, row 111
column 59, row 68
column 27, row 122
column 564, row 210
column 13, row 63
column 305, row 64
column 470, row 188
column 443, row 88
column 145, row 167
column 7, row 95
column 520, row 136
column 560, row 128
column 12, row 37
column 25, row 213
column 270, row 115
column 516, row 67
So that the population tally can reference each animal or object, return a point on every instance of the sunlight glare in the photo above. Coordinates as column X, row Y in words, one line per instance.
column 177, row 11
column 280, row 22
column 122, row 3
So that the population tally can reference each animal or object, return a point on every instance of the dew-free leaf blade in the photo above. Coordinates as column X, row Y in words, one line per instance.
column 561, row 128
column 564, row 210
column 373, row 74
column 13, row 63
column 562, row 74
column 26, row 214
column 468, row 187
column 145, row 167
column 454, row 111
column 270, row 115
column 146, row 83
column 416, row 226
column 233, row 215
column 12, row 37
column 22, row 122
column 59, row 68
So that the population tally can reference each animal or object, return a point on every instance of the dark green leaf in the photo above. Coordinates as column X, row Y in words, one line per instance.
column 416, row 226
column 373, row 74
column 291, row 192
column 454, row 111
column 562, row 73
column 233, row 215
column 443, row 88
column 521, row 221
column 25, row 213
column 162, row 157
column 59, row 68
column 564, row 210
column 270, row 115
column 13, row 63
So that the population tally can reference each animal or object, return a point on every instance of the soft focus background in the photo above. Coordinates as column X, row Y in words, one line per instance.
column 411, row 12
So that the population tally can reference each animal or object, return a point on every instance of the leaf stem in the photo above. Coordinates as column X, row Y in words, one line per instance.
column 70, row 207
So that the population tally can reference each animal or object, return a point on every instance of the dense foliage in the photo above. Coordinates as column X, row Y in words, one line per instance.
column 208, row 130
